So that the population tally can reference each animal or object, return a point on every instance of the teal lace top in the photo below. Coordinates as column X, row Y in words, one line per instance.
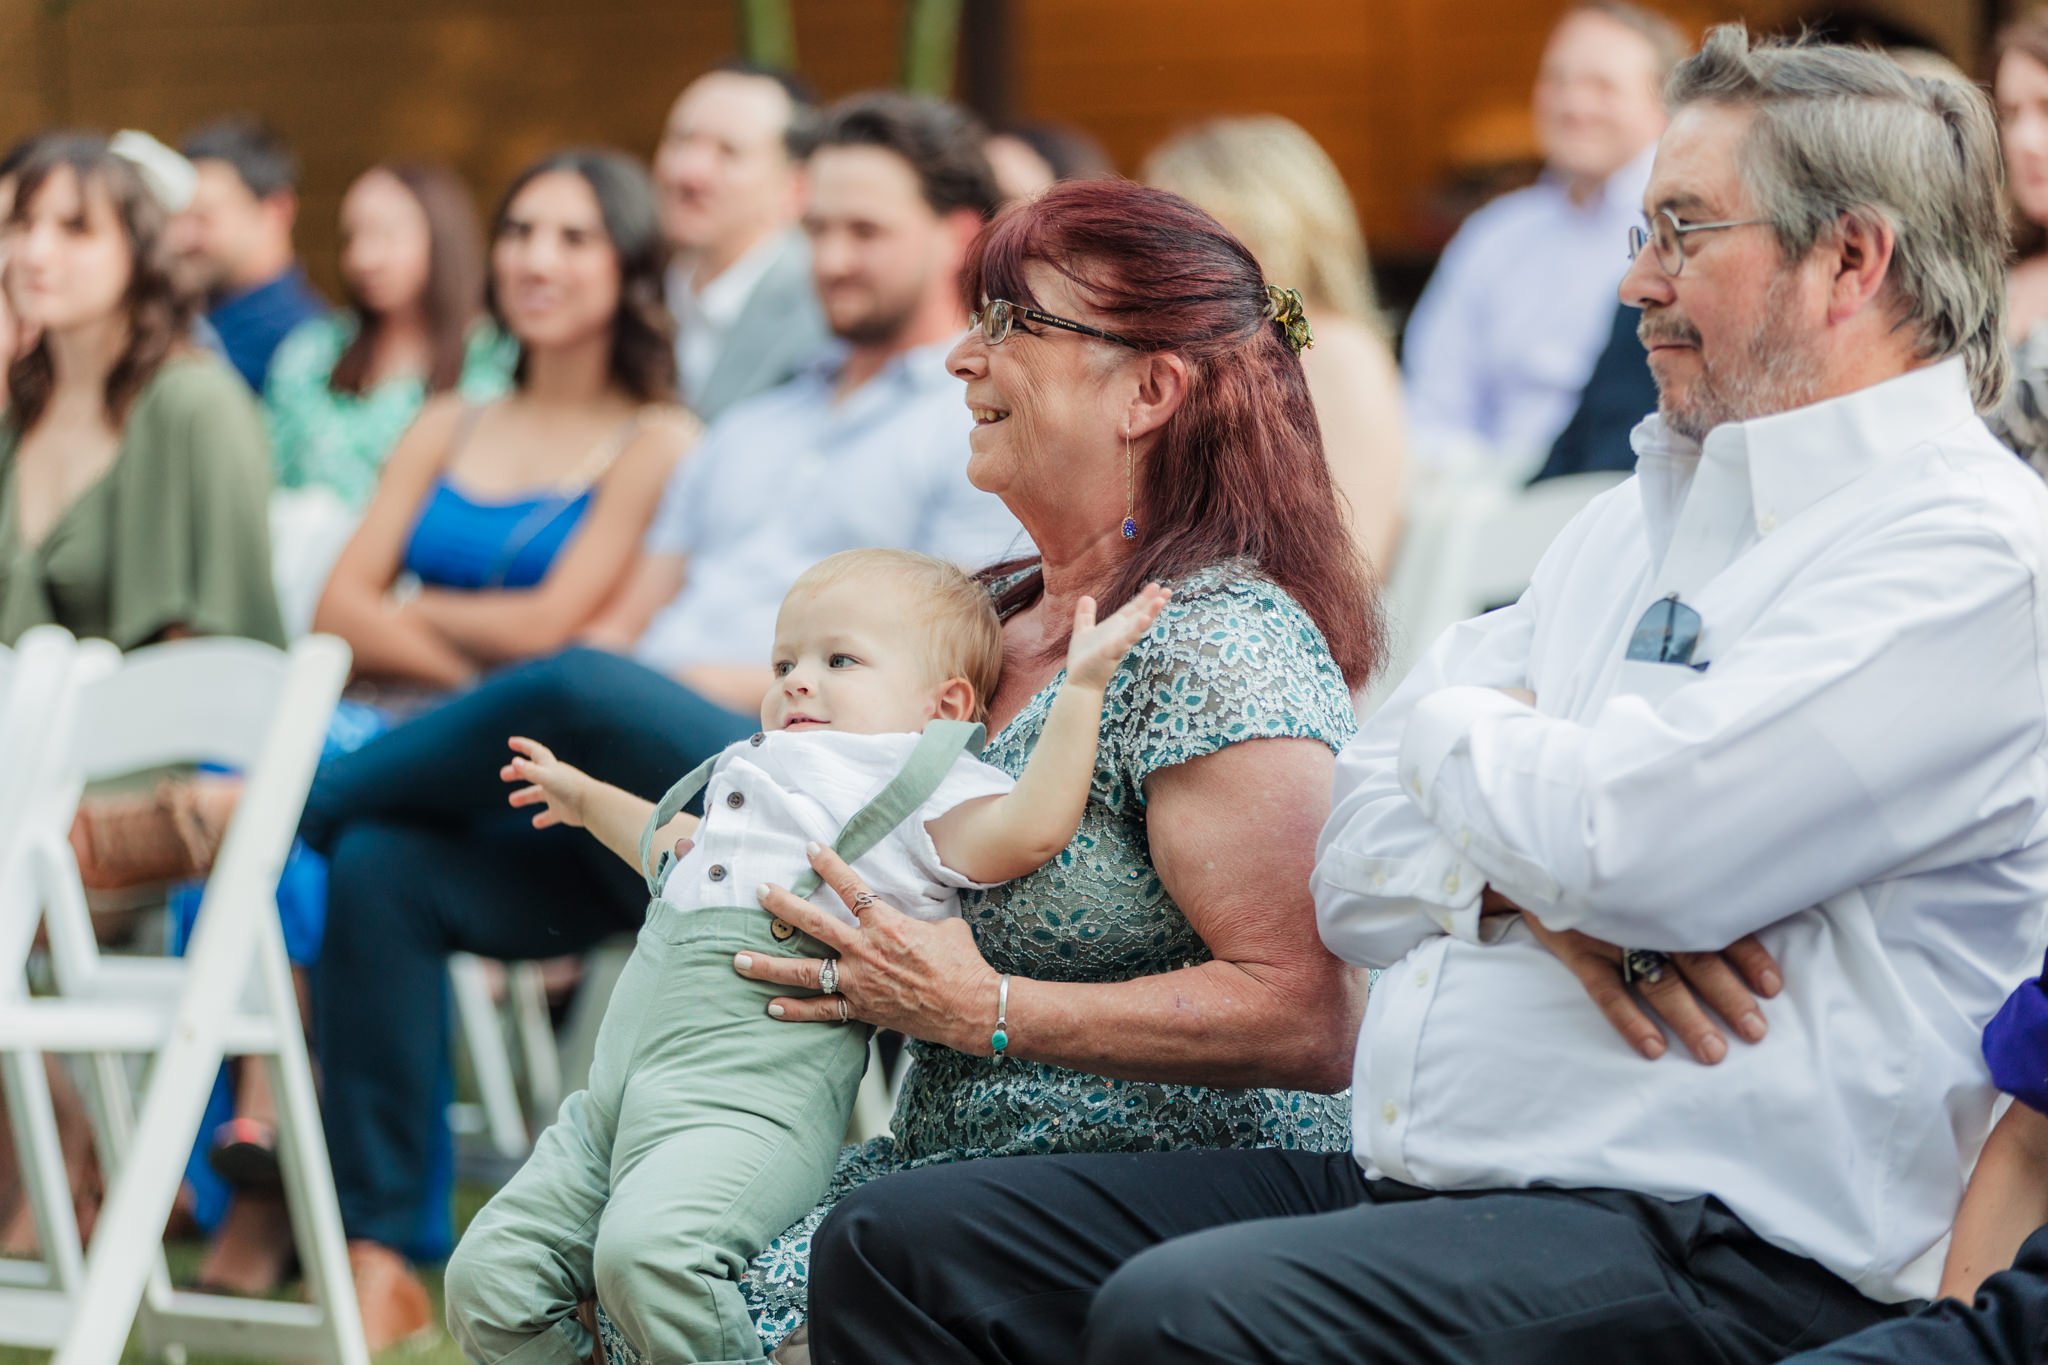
column 340, row 440
column 1232, row 658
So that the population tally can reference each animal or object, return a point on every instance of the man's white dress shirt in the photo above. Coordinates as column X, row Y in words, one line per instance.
column 1856, row 774
column 790, row 476
column 798, row 786
column 1501, row 343
column 705, row 316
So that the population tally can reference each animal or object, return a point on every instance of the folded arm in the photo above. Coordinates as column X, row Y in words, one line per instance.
column 1386, row 877
column 1877, row 721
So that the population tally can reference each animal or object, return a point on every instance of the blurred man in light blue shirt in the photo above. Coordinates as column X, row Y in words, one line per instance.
column 1522, row 302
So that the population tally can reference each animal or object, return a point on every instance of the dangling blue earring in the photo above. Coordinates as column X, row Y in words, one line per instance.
column 1130, row 499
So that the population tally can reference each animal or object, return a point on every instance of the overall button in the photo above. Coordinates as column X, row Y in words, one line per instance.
column 782, row 929
column 758, row 739
column 716, row 872
column 735, row 800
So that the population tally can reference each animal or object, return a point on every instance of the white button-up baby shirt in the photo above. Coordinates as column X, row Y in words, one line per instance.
column 770, row 795
column 1852, row 767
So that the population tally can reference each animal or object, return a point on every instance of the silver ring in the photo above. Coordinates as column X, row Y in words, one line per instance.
column 1643, row 965
column 845, row 1011
column 828, row 976
column 863, row 900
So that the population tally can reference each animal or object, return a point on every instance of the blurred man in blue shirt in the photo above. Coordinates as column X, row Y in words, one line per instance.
column 235, row 242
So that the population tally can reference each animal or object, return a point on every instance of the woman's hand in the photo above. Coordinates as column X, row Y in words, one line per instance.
column 1094, row 650
column 927, row 980
column 562, row 786
column 1730, row 981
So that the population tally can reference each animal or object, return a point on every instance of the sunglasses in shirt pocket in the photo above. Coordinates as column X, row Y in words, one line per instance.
column 1660, row 653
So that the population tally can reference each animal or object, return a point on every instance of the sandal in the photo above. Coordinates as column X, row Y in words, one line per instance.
column 133, row 840
column 244, row 1153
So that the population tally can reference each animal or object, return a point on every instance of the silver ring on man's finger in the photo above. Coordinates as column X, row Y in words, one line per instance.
column 1644, row 965
column 828, row 976
column 845, row 1010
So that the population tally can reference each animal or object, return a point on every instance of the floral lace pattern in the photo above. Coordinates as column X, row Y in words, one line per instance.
column 1232, row 658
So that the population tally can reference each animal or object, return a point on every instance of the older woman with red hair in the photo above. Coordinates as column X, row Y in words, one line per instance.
column 1140, row 406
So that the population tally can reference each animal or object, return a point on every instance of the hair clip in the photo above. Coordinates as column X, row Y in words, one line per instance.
column 1283, row 306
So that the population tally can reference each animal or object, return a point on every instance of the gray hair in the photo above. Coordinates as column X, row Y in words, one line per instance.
column 1845, row 133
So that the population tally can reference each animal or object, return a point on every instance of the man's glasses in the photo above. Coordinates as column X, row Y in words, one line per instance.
column 996, row 317
column 1668, row 634
column 1667, row 235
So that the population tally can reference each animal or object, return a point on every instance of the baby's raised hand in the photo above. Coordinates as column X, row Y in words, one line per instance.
column 560, row 785
column 1096, row 648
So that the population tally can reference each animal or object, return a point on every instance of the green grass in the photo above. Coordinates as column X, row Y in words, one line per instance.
column 184, row 1258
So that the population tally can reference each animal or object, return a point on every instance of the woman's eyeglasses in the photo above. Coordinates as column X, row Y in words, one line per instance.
column 995, row 318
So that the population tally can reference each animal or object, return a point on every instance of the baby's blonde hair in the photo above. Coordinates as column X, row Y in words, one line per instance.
column 963, row 638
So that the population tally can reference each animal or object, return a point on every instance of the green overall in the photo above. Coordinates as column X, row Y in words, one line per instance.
column 708, row 1127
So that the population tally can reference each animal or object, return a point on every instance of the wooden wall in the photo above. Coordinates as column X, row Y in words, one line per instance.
column 486, row 85
column 1384, row 85
column 489, row 84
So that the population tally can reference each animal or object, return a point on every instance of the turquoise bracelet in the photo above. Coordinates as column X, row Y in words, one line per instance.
column 1000, row 1039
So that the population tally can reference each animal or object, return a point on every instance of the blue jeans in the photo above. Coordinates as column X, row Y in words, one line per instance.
column 425, row 859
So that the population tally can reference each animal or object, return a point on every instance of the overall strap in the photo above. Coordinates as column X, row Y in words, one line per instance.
column 678, row 796
column 942, row 742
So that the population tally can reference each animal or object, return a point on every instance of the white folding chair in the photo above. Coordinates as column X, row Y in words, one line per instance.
column 266, row 713
column 499, row 1111
column 1468, row 547
column 35, row 686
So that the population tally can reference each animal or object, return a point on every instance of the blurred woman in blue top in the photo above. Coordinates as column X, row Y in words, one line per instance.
column 501, row 530
column 498, row 531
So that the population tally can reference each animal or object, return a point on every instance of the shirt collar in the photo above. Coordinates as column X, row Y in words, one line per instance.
column 1620, row 195
column 721, row 301
column 1796, row 458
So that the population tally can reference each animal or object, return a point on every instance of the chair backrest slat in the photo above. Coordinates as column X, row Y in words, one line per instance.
column 188, row 701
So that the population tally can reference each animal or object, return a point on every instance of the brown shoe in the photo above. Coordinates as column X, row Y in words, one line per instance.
column 393, row 1302
column 170, row 834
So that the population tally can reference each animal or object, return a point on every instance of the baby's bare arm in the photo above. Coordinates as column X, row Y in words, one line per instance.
column 995, row 838
column 2006, row 1201
column 571, row 796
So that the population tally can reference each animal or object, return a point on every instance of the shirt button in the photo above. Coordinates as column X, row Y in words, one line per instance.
column 735, row 800
column 1379, row 877
column 1388, row 1113
column 1416, row 787
column 1767, row 523
column 716, row 872
column 1422, row 977
column 757, row 740
column 1451, row 885
column 1464, row 838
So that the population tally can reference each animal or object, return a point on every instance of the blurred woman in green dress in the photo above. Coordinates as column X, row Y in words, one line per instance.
column 134, row 472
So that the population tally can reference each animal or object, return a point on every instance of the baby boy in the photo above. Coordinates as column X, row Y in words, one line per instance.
column 708, row 1127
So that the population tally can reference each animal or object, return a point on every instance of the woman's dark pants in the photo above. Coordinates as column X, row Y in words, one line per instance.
column 426, row 859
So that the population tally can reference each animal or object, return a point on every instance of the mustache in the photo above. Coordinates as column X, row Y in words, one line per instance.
column 1666, row 331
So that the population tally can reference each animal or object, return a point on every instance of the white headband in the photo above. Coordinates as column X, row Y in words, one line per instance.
column 170, row 177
